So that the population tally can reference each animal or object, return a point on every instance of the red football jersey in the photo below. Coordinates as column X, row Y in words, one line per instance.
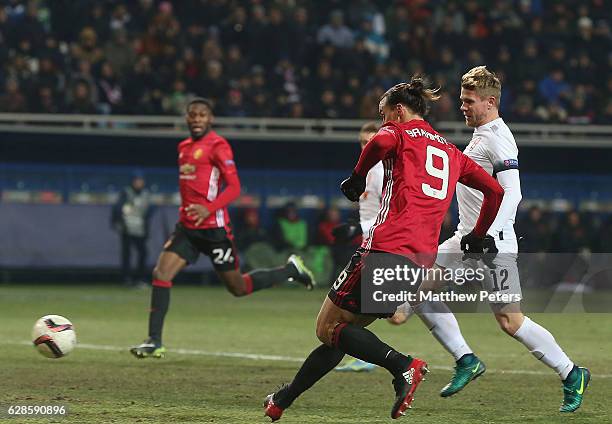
column 204, row 166
column 421, row 170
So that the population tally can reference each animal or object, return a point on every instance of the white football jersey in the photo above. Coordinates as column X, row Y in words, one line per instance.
column 492, row 147
column 369, row 203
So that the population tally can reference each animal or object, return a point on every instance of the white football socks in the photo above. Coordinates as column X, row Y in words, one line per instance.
column 442, row 323
column 544, row 347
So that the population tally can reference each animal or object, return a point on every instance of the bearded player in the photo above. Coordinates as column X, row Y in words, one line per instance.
column 206, row 163
column 421, row 170
column 494, row 148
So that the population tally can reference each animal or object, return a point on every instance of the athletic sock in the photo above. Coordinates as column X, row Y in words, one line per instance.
column 466, row 360
column 160, row 300
column 363, row 344
column 544, row 347
column 320, row 361
column 264, row 278
column 442, row 323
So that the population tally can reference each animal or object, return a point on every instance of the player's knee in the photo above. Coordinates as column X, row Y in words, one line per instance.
column 509, row 323
column 161, row 274
column 324, row 333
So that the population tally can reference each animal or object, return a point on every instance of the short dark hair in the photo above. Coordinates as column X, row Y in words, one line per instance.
column 369, row 127
column 415, row 95
column 200, row 100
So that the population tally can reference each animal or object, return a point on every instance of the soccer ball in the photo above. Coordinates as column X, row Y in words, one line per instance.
column 53, row 336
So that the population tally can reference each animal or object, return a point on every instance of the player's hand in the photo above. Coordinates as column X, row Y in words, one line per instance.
column 479, row 248
column 197, row 212
column 344, row 233
column 353, row 187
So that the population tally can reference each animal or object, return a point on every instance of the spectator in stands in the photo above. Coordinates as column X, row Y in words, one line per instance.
column 330, row 220
column 554, row 88
column 87, row 49
column 374, row 42
column 130, row 219
column 535, row 231
column 249, row 230
column 119, row 53
column 605, row 118
column 335, row 32
column 80, row 101
column 573, row 235
column 13, row 99
column 44, row 101
column 291, row 231
column 523, row 111
column 305, row 51
column 109, row 90
column 175, row 101
column 235, row 105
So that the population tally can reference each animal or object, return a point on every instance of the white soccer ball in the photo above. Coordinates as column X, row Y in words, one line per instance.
column 53, row 336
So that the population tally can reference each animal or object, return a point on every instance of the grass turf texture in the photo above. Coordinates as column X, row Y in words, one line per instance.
column 109, row 385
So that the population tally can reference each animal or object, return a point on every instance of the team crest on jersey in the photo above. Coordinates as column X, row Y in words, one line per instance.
column 187, row 168
column 473, row 143
column 197, row 154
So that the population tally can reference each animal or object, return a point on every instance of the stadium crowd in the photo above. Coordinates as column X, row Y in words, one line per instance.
column 295, row 58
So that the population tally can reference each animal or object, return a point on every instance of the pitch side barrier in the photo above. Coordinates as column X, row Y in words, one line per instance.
column 286, row 129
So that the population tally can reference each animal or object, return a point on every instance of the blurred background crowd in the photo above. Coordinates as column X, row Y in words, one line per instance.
column 301, row 58
column 575, row 235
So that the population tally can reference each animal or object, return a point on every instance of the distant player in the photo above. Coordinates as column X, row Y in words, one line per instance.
column 206, row 163
column 369, row 205
column 421, row 171
column 493, row 147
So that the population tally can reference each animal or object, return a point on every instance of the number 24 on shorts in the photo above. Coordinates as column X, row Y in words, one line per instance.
column 222, row 256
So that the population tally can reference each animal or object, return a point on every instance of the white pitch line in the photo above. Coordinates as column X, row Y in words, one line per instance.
column 262, row 357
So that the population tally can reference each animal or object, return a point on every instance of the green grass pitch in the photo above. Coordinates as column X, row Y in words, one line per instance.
column 226, row 354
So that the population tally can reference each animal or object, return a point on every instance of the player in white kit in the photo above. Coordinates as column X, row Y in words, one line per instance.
column 493, row 147
column 369, row 205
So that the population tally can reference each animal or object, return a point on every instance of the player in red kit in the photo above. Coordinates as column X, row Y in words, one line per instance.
column 421, row 170
column 208, row 183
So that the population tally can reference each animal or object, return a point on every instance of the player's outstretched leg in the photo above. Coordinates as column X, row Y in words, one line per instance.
column 168, row 265
column 357, row 365
column 320, row 361
column 259, row 279
column 544, row 347
column 408, row 372
column 443, row 325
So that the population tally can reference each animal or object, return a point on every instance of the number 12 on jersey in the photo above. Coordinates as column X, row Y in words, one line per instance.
column 440, row 173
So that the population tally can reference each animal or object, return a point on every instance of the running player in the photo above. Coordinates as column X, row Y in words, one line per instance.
column 493, row 147
column 206, row 162
column 421, row 171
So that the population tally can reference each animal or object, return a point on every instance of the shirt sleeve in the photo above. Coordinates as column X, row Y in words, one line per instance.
column 503, row 154
column 474, row 176
column 224, row 160
column 382, row 146
column 510, row 182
